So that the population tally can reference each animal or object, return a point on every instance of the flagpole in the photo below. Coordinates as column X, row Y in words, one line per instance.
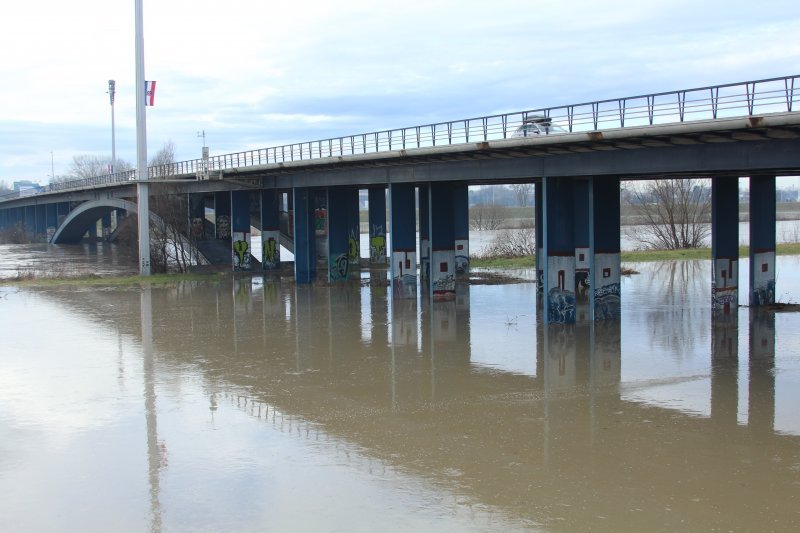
column 142, row 183
column 111, row 91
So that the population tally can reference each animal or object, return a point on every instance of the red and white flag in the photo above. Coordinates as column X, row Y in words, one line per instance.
column 149, row 93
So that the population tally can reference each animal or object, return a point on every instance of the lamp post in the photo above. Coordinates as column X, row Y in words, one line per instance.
column 111, row 91
column 142, row 178
column 52, row 168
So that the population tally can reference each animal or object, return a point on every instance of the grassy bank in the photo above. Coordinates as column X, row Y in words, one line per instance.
column 631, row 257
column 132, row 281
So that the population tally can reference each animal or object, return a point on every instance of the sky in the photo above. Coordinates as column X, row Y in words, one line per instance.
column 254, row 74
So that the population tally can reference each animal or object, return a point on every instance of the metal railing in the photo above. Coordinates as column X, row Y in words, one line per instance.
column 773, row 95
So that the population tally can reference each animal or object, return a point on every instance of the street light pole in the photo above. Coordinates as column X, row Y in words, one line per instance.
column 142, row 178
column 111, row 91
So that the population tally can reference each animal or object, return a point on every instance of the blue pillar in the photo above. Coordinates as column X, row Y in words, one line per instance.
column 353, row 228
column 377, row 225
column 559, row 249
column 106, row 223
column 538, row 222
column 305, row 250
column 403, row 233
column 338, row 238
column 442, row 236
column 197, row 216
column 92, row 231
column 30, row 220
column 270, row 230
column 222, row 215
column 424, row 234
column 240, row 230
column 461, row 213
column 51, row 220
column 604, row 269
column 41, row 220
column 582, row 245
column 725, row 243
column 762, row 240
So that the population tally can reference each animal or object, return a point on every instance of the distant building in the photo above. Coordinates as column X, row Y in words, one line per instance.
column 25, row 185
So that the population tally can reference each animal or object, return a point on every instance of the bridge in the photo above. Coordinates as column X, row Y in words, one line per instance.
column 305, row 195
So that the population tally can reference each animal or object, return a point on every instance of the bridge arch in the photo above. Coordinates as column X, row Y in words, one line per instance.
column 82, row 217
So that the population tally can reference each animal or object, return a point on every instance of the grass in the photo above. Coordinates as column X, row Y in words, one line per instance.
column 631, row 257
column 30, row 280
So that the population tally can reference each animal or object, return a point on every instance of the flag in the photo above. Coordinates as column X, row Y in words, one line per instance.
column 149, row 93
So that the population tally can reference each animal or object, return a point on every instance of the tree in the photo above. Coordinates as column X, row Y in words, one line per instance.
column 487, row 216
column 89, row 166
column 675, row 212
column 523, row 193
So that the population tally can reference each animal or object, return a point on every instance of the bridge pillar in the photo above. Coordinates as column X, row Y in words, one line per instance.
column 222, row 215
column 106, row 225
column 353, row 228
column 582, row 240
column 441, row 214
column 270, row 230
column 197, row 216
column 538, row 223
column 762, row 240
column 30, row 220
column 724, row 243
column 559, row 249
column 377, row 225
column 604, row 256
column 461, row 213
column 305, row 250
column 423, row 203
column 403, row 231
column 41, row 220
column 240, row 231
column 338, row 234
column 51, row 220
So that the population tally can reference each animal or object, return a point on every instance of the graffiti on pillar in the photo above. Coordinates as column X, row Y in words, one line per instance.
column 270, row 253
column 223, row 227
column 339, row 267
column 241, row 252
column 353, row 248
column 607, row 302
column 462, row 256
column 763, row 272
column 321, row 221
column 561, row 306
column 198, row 227
column 377, row 244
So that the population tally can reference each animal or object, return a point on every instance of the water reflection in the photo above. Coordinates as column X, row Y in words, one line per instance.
column 496, row 420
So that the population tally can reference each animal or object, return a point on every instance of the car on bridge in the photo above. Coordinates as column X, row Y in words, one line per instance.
column 538, row 125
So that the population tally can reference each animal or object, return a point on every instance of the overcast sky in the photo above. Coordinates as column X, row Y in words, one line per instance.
column 253, row 74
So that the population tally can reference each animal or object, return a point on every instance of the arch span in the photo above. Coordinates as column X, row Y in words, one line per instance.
column 82, row 217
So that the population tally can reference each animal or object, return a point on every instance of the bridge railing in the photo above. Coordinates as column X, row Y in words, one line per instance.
column 749, row 98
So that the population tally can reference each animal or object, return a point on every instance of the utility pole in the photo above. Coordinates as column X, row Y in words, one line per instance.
column 142, row 178
column 111, row 91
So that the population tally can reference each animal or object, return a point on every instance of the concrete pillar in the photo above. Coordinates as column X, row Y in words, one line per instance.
column 197, row 216
column 424, row 234
column 51, row 220
column 559, row 249
column 442, row 237
column 582, row 240
column 106, row 224
column 92, row 231
column 377, row 225
column 222, row 215
column 41, row 220
column 403, row 232
column 762, row 240
column 604, row 255
column 338, row 238
column 461, row 214
column 240, row 231
column 270, row 230
column 725, row 243
column 305, row 252
column 353, row 228
column 539, row 224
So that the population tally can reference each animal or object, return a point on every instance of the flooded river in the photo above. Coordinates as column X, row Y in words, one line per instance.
column 257, row 405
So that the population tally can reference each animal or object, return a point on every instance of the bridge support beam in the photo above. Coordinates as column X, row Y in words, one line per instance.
column 377, row 225
column 538, row 222
column 403, row 230
column 270, row 230
column 582, row 239
column 441, row 214
column 604, row 254
column 197, row 216
column 353, row 229
column 240, row 231
column 222, row 215
column 559, row 250
column 423, row 202
column 724, row 243
column 41, row 221
column 461, row 214
column 305, row 250
column 51, row 220
column 338, row 237
column 762, row 240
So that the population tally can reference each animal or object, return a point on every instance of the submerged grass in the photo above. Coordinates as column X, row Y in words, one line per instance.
column 30, row 280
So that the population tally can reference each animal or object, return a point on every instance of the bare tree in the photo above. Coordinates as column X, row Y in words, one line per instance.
column 523, row 193
column 675, row 212
column 487, row 216
column 512, row 243
column 89, row 166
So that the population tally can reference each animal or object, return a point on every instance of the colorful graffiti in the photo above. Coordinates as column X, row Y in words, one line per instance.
column 223, row 227
column 270, row 253
column 321, row 221
column 339, row 267
column 241, row 254
column 377, row 244
column 198, row 227
column 353, row 248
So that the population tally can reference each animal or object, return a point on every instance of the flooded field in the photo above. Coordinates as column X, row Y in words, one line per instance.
column 257, row 405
